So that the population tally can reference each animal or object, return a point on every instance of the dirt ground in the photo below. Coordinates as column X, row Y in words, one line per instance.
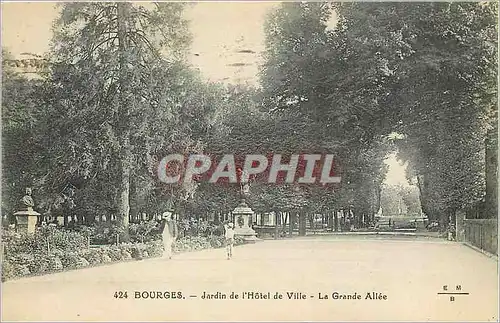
column 410, row 272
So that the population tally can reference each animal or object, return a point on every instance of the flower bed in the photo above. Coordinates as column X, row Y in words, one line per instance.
column 188, row 243
column 53, row 250
column 27, row 264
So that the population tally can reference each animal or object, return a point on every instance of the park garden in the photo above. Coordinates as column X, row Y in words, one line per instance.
column 116, row 93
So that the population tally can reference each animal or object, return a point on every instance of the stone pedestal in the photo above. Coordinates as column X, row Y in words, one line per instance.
column 242, row 225
column 26, row 220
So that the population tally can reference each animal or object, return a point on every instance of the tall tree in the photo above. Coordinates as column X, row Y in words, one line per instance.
column 440, row 67
column 330, row 83
column 21, row 108
column 117, row 75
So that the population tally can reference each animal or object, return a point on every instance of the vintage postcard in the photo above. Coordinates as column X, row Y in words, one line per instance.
column 249, row 161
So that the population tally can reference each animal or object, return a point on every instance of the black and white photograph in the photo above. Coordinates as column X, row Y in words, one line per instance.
column 249, row 161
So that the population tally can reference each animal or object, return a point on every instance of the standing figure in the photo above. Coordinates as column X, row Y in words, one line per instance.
column 229, row 234
column 169, row 233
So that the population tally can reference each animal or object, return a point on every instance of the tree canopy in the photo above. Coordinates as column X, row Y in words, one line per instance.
column 119, row 95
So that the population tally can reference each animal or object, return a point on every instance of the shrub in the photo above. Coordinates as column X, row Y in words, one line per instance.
column 22, row 270
column 8, row 271
column 143, row 232
column 70, row 260
column 137, row 253
column 126, row 255
column 115, row 253
column 131, row 250
column 198, row 243
column 198, row 228
column 39, row 264
column 93, row 256
column 28, row 254
column 82, row 262
column 202, row 228
column 66, row 240
column 43, row 241
column 216, row 241
column 84, row 230
column 238, row 241
column 215, row 229
column 106, row 232
column 19, row 243
column 55, row 263
column 25, row 258
column 105, row 258
column 154, row 249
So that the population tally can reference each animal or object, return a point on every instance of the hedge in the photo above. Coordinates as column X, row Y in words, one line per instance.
column 27, row 264
column 53, row 250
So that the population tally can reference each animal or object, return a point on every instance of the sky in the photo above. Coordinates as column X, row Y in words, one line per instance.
column 220, row 30
column 396, row 172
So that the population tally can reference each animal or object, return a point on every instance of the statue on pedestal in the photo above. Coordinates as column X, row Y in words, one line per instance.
column 243, row 214
column 27, row 218
column 27, row 201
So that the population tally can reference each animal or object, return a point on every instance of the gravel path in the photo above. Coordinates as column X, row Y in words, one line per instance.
column 410, row 272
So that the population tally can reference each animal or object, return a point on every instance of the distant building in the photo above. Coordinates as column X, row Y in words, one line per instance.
column 31, row 65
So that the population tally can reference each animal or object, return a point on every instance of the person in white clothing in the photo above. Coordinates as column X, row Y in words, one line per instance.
column 169, row 233
column 229, row 235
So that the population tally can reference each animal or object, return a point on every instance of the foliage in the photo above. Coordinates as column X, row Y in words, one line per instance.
column 118, row 98
column 446, row 98
column 340, row 112
column 25, row 264
column 44, row 239
column 144, row 231
column 106, row 232
column 398, row 197
column 27, row 254
column 426, row 71
column 188, row 243
column 199, row 228
column 21, row 108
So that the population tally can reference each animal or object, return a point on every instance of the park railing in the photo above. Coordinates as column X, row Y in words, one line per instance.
column 481, row 233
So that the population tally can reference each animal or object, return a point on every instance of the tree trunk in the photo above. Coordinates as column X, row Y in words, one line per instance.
column 336, row 221
column 422, row 195
column 134, row 201
column 491, row 168
column 285, row 219
column 292, row 221
column 302, row 224
column 123, row 123
column 277, row 216
column 443, row 220
column 330, row 221
column 311, row 221
column 355, row 217
column 378, row 194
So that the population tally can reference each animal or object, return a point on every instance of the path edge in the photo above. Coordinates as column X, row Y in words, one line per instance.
column 484, row 252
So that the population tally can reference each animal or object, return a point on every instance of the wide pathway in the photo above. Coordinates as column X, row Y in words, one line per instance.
column 409, row 272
